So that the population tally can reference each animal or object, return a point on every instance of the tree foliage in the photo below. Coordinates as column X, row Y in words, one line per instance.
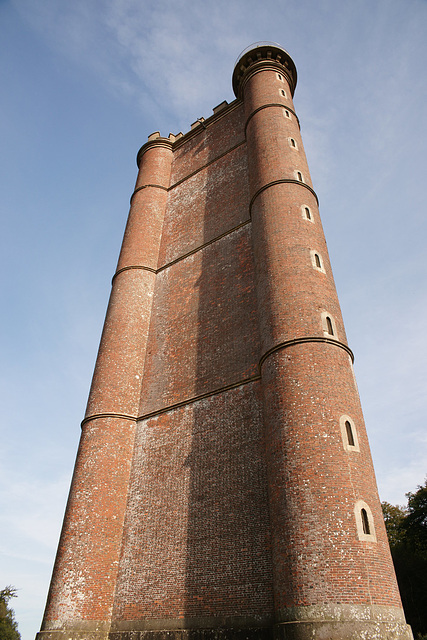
column 8, row 624
column 415, row 523
column 393, row 518
column 407, row 534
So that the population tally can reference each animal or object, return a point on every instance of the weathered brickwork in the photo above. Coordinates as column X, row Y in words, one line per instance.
column 202, row 338
column 216, row 494
column 84, row 577
column 199, row 478
column 196, row 201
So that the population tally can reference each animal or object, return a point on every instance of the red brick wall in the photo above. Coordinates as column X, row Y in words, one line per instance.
column 204, row 332
column 84, row 576
column 197, row 529
column 198, row 503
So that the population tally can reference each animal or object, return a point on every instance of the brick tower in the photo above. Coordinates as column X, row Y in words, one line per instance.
column 223, row 487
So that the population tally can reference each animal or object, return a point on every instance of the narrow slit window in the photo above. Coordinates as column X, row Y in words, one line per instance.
column 283, row 93
column 299, row 174
column 328, row 322
column 307, row 213
column 349, row 431
column 365, row 522
column 293, row 143
column 317, row 262
column 280, row 77
column 287, row 114
column 349, row 436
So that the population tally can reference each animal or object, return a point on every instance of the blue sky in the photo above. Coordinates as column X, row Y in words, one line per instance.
column 83, row 84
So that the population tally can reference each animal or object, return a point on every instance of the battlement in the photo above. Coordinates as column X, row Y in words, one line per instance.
column 256, row 55
column 200, row 122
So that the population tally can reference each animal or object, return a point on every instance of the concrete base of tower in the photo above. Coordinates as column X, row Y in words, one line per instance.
column 192, row 628
column 321, row 622
column 249, row 633
column 342, row 631
column 75, row 630
column 342, row 622
column 72, row 634
column 195, row 628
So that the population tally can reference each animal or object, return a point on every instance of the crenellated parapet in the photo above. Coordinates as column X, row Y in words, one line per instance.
column 263, row 55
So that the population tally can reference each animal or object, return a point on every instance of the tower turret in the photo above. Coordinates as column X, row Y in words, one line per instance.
column 81, row 596
column 332, row 571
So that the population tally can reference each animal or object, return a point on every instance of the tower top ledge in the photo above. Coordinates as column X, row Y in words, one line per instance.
column 260, row 53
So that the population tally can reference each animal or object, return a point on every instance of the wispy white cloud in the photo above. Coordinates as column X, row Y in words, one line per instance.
column 148, row 52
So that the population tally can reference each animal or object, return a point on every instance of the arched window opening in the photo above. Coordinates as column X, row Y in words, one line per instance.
column 317, row 262
column 307, row 213
column 350, row 437
column 328, row 322
column 299, row 174
column 293, row 143
column 283, row 93
column 365, row 522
